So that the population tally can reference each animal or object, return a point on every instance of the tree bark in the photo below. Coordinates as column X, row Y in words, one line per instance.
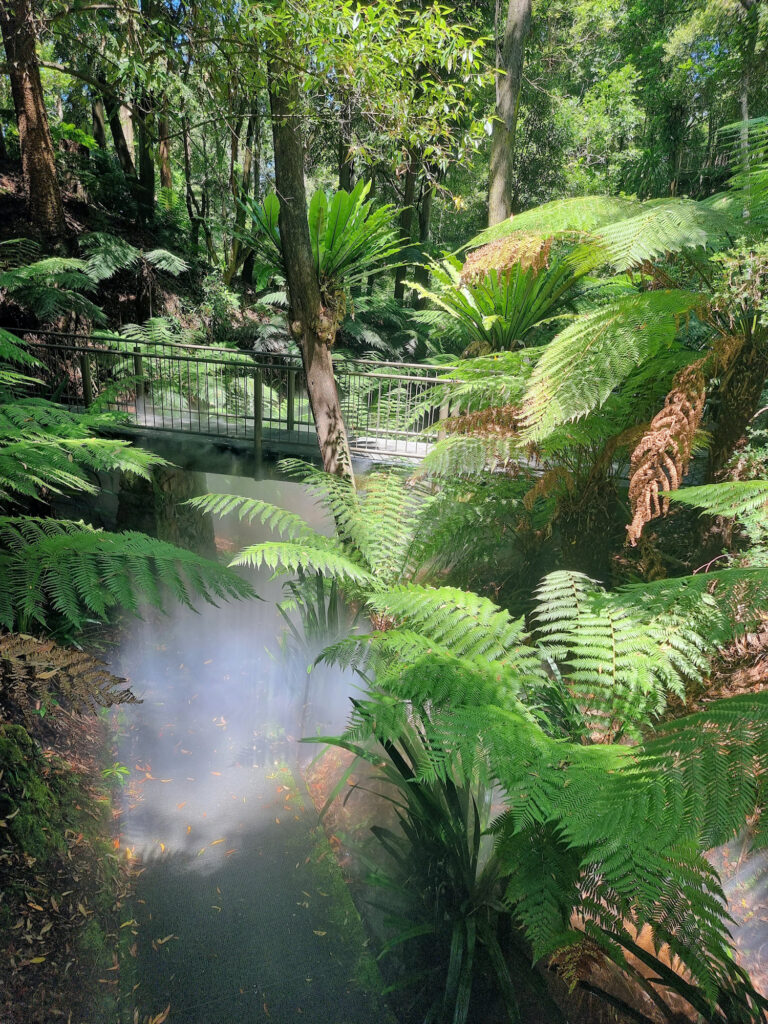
column 146, row 187
column 421, row 272
column 508, row 85
column 406, row 224
column 164, row 151
column 346, row 163
column 38, row 164
column 99, row 122
column 116, row 127
column 312, row 327
column 241, row 190
column 3, row 150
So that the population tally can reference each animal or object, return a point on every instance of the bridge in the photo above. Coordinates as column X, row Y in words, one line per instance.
column 256, row 399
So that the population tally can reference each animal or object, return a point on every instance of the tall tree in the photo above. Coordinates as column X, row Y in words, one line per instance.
column 311, row 325
column 38, row 164
column 508, row 81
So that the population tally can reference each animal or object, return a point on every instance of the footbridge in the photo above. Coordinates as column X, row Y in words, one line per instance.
column 252, row 398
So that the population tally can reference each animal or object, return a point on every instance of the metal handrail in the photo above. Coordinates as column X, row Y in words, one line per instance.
column 262, row 397
column 174, row 346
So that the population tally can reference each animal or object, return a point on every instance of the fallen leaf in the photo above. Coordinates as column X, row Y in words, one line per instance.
column 161, row 1017
column 37, row 959
column 217, row 841
column 182, row 804
column 215, row 773
column 319, row 933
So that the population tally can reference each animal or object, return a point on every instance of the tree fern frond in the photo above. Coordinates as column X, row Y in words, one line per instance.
column 81, row 572
column 735, row 499
column 581, row 214
column 12, row 350
column 286, row 524
column 308, row 554
column 466, row 624
column 581, row 367
column 39, row 674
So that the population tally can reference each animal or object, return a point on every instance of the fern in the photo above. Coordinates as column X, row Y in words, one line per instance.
column 619, row 658
column 582, row 214
column 80, row 572
column 107, row 254
column 40, row 677
column 623, row 826
column 736, row 499
column 584, row 363
column 318, row 554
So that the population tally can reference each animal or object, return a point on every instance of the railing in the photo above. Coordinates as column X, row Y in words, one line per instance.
column 228, row 394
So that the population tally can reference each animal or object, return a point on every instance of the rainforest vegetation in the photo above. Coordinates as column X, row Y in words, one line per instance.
column 558, row 615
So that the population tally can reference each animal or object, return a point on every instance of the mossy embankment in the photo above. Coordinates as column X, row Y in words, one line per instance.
column 61, row 883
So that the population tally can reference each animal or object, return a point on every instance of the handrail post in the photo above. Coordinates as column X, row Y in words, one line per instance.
column 85, row 369
column 138, row 372
column 258, row 413
column 290, row 400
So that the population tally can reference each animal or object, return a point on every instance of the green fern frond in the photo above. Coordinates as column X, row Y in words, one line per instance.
column 736, row 499
column 286, row 524
column 582, row 366
column 309, row 555
column 80, row 572
column 581, row 214
column 468, row 625
column 12, row 350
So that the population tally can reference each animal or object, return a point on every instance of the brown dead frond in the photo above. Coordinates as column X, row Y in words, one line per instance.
column 497, row 421
column 39, row 676
column 529, row 251
column 661, row 459
column 553, row 480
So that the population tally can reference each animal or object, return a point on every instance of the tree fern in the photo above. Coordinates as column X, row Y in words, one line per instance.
column 623, row 826
column 40, row 677
column 584, row 363
column 737, row 499
column 620, row 660
column 581, row 214
column 80, row 572
column 106, row 254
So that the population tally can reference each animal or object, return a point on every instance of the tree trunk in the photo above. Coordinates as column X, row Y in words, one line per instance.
column 241, row 190
column 346, row 163
column 507, row 103
column 312, row 327
column 406, row 223
column 3, row 150
column 122, row 148
column 146, row 189
column 739, row 399
column 164, row 151
column 38, row 164
column 99, row 122
column 421, row 272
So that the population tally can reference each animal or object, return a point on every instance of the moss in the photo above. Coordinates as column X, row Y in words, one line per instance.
column 38, row 797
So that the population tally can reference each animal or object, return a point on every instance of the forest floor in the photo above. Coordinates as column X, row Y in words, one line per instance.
column 63, row 886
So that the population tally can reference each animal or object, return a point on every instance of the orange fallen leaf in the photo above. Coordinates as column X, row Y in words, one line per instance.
column 160, row 1018
column 217, row 841
column 182, row 804
column 215, row 773
column 230, row 852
